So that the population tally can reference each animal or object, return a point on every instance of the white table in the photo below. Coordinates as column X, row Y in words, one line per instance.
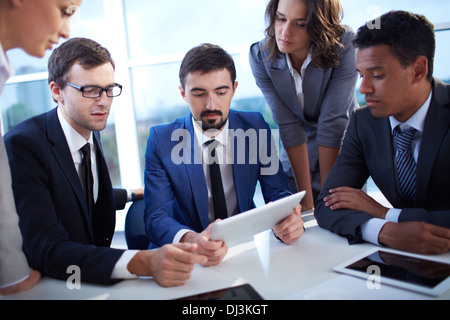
column 277, row 271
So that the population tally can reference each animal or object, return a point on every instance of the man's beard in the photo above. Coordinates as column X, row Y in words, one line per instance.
column 215, row 124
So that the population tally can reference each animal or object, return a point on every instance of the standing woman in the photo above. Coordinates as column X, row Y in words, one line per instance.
column 34, row 26
column 306, row 70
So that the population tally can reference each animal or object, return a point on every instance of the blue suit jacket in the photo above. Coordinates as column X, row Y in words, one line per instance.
column 176, row 195
column 368, row 151
column 54, row 219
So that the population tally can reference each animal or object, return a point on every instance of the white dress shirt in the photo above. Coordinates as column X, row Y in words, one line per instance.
column 6, row 69
column 298, row 77
column 75, row 142
column 370, row 230
column 225, row 159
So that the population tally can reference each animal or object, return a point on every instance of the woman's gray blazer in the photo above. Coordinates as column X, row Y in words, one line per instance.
column 329, row 97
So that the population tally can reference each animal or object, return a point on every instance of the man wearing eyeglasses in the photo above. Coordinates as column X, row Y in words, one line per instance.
column 61, row 183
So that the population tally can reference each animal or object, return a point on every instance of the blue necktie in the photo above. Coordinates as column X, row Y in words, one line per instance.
column 406, row 166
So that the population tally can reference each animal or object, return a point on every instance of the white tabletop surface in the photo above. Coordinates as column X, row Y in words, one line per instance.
column 277, row 272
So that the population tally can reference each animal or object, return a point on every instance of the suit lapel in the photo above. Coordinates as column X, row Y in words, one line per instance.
column 284, row 85
column 240, row 172
column 103, row 221
column 63, row 156
column 385, row 157
column 311, row 88
column 194, row 169
column 435, row 128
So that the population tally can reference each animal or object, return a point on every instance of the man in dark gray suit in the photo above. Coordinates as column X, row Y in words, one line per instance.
column 66, row 218
column 395, row 63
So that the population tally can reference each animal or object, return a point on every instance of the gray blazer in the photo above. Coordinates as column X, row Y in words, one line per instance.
column 13, row 264
column 330, row 96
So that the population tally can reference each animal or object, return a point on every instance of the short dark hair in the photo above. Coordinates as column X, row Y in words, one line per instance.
column 206, row 58
column 408, row 35
column 86, row 52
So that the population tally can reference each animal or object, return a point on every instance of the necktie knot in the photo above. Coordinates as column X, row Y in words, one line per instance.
column 86, row 150
column 212, row 145
column 404, row 138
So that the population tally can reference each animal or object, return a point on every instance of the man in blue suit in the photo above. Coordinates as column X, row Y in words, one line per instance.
column 179, row 194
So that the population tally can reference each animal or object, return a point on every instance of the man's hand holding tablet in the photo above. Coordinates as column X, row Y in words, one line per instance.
column 214, row 250
column 292, row 228
column 282, row 216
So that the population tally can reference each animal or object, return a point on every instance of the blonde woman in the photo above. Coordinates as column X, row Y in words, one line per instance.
column 34, row 26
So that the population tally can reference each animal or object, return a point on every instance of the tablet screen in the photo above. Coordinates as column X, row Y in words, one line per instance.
column 243, row 292
column 405, row 268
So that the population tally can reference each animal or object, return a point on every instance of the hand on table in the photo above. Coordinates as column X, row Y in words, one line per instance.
column 354, row 199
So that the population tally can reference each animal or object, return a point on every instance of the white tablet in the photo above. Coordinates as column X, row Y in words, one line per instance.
column 400, row 269
column 251, row 222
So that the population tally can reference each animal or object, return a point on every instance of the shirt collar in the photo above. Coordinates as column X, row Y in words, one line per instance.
column 417, row 120
column 202, row 138
column 304, row 66
column 6, row 69
column 73, row 138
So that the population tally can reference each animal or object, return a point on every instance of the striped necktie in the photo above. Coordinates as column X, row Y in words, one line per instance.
column 404, row 160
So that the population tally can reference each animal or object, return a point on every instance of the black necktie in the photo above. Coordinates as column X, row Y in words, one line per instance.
column 219, row 201
column 86, row 177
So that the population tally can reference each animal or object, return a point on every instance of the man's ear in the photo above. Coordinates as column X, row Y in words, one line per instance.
column 420, row 68
column 182, row 92
column 235, row 86
column 56, row 91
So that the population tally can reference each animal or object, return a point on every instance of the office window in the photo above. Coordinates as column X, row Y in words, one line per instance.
column 27, row 93
column 148, row 39
column 160, row 35
column 442, row 64
column 356, row 13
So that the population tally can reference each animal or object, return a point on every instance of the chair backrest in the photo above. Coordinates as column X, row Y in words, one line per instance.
column 134, row 226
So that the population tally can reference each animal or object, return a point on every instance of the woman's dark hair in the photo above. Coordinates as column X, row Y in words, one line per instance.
column 206, row 58
column 86, row 52
column 408, row 35
column 324, row 28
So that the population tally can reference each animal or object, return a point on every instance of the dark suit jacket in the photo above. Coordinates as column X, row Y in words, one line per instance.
column 176, row 195
column 54, row 219
column 368, row 151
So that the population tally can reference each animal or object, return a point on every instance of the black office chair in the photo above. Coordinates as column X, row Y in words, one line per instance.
column 134, row 226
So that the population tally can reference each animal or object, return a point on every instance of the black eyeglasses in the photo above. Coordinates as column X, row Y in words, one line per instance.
column 95, row 92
